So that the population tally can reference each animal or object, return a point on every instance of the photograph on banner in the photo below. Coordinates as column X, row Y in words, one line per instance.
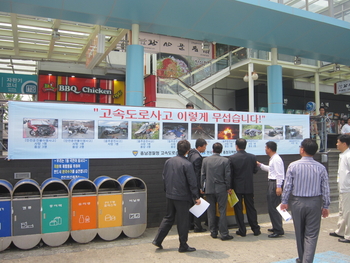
column 78, row 129
column 113, row 130
column 50, row 130
column 228, row 131
column 43, row 128
column 145, row 130
column 202, row 130
column 175, row 131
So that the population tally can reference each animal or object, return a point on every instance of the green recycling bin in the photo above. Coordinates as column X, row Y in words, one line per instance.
column 109, row 207
column 26, row 205
column 55, row 212
column 5, row 214
column 134, row 205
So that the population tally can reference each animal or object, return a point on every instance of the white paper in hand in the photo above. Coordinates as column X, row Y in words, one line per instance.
column 198, row 210
column 284, row 213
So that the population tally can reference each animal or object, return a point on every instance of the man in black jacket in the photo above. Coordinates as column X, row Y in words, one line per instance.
column 195, row 157
column 181, row 189
column 243, row 166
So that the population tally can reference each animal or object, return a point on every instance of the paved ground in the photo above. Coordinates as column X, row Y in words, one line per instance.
column 241, row 249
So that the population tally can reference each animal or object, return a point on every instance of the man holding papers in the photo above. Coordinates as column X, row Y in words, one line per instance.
column 216, row 183
column 243, row 167
column 180, row 185
column 307, row 183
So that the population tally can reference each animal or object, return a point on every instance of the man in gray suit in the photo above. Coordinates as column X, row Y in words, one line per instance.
column 216, row 183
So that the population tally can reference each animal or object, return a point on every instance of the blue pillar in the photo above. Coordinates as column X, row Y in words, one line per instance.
column 134, row 75
column 274, row 89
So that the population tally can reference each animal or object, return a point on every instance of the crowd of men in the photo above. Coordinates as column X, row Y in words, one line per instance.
column 303, row 187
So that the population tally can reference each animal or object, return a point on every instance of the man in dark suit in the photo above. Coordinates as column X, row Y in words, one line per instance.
column 216, row 183
column 180, row 186
column 195, row 157
column 243, row 166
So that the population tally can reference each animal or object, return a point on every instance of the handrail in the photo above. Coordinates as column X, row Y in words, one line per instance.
column 194, row 93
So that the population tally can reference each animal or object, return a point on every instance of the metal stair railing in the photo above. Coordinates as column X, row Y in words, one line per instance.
column 178, row 87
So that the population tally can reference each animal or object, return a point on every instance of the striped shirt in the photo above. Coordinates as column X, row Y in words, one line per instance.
column 306, row 178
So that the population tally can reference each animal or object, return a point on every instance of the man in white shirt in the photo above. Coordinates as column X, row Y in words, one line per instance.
column 343, row 230
column 275, row 171
column 346, row 128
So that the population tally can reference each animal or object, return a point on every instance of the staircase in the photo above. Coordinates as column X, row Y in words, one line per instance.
column 188, row 86
column 333, row 157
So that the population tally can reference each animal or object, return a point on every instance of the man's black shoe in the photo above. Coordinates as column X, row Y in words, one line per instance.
column 270, row 229
column 188, row 249
column 274, row 235
column 257, row 233
column 157, row 244
column 214, row 235
column 228, row 237
column 333, row 234
column 240, row 234
column 199, row 230
column 343, row 240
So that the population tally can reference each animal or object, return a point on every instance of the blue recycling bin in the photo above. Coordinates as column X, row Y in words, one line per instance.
column 83, row 207
column 55, row 212
column 5, row 214
column 134, row 205
column 26, row 218
column 109, row 207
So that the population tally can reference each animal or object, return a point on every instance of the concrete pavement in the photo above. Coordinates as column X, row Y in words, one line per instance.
column 241, row 249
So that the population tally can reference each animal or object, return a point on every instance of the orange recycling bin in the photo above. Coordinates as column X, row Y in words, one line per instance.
column 109, row 207
column 83, row 209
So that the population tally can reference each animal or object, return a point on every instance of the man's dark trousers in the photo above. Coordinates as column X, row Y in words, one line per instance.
column 251, row 213
column 175, row 209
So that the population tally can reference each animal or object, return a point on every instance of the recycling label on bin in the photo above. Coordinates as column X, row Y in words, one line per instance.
column 5, row 218
column 26, row 217
column 134, row 208
column 55, row 215
column 110, row 211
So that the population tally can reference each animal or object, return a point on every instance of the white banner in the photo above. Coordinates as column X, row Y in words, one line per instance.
column 39, row 130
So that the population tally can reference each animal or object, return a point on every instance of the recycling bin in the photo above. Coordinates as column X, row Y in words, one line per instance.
column 5, row 214
column 26, row 204
column 55, row 212
column 83, row 209
column 109, row 207
column 134, row 205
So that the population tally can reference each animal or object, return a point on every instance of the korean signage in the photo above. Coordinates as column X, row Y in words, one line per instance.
column 67, row 169
column 59, row 131
column 172, row 45
column 18, row 83
column 342, row 87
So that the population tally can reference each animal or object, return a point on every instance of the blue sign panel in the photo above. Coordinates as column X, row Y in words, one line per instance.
column 67, row 169
column 18, row 83
column 5, row 219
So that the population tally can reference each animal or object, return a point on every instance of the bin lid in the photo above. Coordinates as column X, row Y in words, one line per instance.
column 81, row 186
column 5, row 189
column 130, row 183
column 106, row 184
column 54, row 187
column 26, row 187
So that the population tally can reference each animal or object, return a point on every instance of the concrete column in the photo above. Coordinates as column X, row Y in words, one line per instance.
column 274, row 89
column 317, row 92
column 250, row 87
column 134, row 70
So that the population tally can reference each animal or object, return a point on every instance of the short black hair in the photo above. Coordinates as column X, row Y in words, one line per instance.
column 183, row 147
column 189, row 105
column 241, row 143
column 310, row 146
column 200, row 142
column 344, row 138
column 272, row 145
column 217, row 147
column 322, row 107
